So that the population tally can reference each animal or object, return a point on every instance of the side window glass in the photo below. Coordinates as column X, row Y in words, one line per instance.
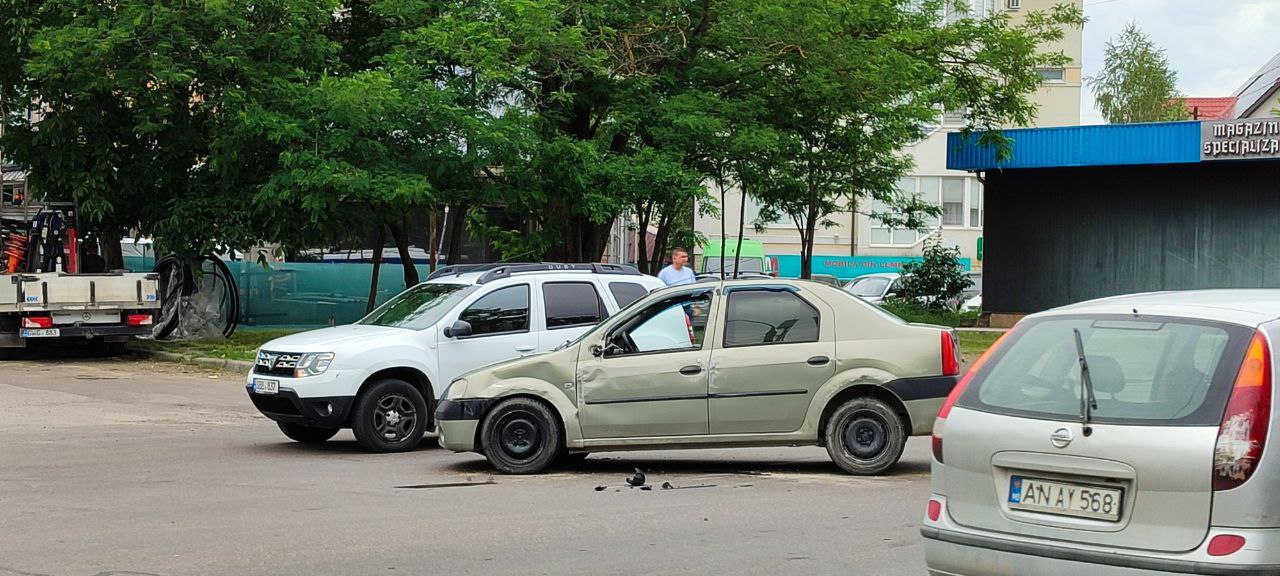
column 758, row 317
column 673, row 324
column 626, row 292
column 572, row 304
column 501, row 311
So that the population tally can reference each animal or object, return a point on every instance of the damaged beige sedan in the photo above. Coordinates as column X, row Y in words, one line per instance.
column 742, row 363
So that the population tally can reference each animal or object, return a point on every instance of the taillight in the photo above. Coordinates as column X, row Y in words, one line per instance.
column 958, row 390
column 1243, row 432
column 950, row 357
column 138, row 320
column 37, row 322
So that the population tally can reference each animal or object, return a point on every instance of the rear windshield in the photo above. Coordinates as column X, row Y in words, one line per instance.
column 745, row 264
column 1154, row 371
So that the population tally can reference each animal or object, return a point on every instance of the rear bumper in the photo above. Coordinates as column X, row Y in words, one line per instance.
column 952, row 550
column 112, row 332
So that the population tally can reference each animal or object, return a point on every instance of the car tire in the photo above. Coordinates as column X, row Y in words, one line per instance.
column 389, row 416
column 306, row 434
column 865, row 437
column 520, row 436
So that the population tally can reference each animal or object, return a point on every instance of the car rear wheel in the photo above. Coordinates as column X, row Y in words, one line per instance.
column 520, row 436
column 306, row 434
column 865, row 436
column 390, row 416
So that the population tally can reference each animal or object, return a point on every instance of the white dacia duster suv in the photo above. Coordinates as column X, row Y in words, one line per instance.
column 382, row 376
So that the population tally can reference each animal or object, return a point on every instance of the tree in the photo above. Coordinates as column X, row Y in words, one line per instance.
column 849, row 85
column 935, row 281
column 1136, row 83
column 152, row 114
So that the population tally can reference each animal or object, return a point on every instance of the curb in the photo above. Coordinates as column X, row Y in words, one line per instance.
column 236, row 366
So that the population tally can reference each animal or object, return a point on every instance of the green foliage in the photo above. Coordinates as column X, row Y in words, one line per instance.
column 935, row 281
column 914, row 311
column 1136, row 83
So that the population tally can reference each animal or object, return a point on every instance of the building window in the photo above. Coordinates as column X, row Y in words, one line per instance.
column 975, row 204
column 953, row 201
column 1013, row 4
column 960, row 198
column 956, row 117
column 1052, row 75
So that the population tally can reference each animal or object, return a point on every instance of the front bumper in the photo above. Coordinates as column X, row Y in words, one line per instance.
column 287, row 407
column 458, row 420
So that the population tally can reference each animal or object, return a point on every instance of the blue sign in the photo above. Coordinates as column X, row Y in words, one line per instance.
column 846, row 267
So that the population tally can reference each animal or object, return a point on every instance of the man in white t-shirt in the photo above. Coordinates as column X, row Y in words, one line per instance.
column 677, row 273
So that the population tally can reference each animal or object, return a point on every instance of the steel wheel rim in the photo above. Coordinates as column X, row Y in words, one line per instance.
column 865, row 436
column 519, row 435
column 395, row 417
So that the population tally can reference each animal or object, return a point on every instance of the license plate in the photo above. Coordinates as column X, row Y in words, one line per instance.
column 1065, row 498
column 40, row 333
column 266, row 386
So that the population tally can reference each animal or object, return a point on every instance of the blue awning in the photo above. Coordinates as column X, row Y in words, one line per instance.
column 1104, row 145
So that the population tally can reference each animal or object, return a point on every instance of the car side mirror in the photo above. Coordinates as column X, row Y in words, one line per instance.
column 459, row 329
column 596, row 350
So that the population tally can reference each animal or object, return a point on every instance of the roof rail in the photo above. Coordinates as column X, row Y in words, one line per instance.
column 506, row 270
column 460, row 269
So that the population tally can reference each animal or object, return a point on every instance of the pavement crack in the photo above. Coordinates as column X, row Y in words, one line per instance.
column 446, row 485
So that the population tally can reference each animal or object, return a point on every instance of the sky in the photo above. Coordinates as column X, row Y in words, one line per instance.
column 1213, row 45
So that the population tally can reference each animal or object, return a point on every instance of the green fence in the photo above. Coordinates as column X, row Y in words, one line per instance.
column 304, row 293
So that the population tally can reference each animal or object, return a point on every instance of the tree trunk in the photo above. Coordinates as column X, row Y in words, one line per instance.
column 112, row 254
column 644, row 214
column 401, row 238
column 432, row 239
column 660, row 240
column 457, row 227
column 724, row 238
column 742, row 224
column 806, row 263
column 377, row 267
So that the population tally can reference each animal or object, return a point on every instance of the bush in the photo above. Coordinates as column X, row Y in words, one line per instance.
column 913, row 311
column 937, row 280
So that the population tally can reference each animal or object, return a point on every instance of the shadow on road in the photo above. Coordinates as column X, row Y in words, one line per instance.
column 626, row 463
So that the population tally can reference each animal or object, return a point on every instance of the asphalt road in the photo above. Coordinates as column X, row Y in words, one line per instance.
column 134, row 467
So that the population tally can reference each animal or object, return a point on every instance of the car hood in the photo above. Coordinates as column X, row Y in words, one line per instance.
column 329, row 339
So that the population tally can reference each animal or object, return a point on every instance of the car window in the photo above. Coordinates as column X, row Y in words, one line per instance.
column 501, row 311
column 764, row 316
column 871, row 286
column 418, row 307
column 572, row 304
column 624, row 293
column 745, row 264
column 1143, row 371
column 668, row 325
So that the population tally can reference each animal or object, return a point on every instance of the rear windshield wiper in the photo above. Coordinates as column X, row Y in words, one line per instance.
column 1088, row 402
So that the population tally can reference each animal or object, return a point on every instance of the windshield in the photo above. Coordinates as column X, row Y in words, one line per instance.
column 1144, row 371
column 872, row 286
column 746, row 264
column 418, row 307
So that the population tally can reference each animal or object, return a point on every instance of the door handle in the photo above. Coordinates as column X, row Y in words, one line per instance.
column 523, row 349
column 691, row 369
column 819, row 361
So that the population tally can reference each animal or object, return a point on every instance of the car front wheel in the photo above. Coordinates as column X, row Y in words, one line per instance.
column 390, row 416
column 865, row 436
column 520, row 436
column 306, row 434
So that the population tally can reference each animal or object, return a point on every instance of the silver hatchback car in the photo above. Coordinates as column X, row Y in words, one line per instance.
column 1121, row 436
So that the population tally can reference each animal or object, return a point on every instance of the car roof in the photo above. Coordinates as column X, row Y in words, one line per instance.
column 879, row 275
column 473, row 278
column 1249, row 307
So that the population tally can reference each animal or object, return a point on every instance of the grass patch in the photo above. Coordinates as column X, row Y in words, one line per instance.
column 912, row 311
column 973, row 344
column 240, row 346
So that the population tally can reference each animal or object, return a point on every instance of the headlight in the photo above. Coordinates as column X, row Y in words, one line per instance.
column 456, row 389
column 313, row 364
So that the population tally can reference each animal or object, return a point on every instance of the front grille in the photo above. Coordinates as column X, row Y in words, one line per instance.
column 275, row 404
column 276, row 363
